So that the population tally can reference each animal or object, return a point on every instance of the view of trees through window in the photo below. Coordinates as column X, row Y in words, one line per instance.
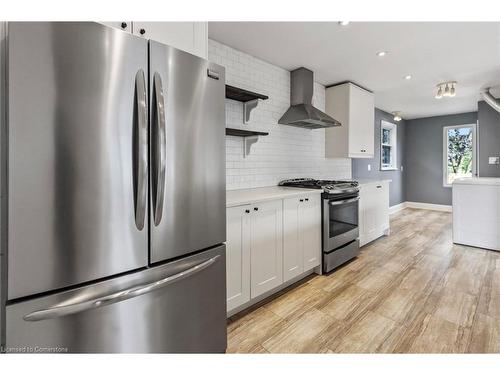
column 459, row 153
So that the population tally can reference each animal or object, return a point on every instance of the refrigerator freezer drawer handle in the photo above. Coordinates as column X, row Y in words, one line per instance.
column 141, row 150
column 62, row 310
column 160, row 149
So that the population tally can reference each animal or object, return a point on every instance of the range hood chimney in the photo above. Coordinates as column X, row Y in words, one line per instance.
column 490, row 99
column 301, row 112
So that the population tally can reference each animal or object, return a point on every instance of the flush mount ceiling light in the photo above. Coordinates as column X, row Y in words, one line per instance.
column 397, row 115
column 381, row 53
column 446, row 89
column 344, row 23
column 408, row 76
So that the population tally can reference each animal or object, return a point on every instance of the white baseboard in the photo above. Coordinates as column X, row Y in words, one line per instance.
column 429, row 206
column 397, row 207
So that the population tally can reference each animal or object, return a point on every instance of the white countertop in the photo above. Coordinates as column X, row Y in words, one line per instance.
column 246, row 196
column 367, row 181
column 477, row 181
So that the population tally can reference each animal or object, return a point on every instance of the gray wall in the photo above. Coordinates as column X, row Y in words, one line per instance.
column 397, row 187
column 489, row 139
column 424, row 157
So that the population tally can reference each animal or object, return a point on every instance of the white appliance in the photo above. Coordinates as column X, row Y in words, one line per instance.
column 476, row 212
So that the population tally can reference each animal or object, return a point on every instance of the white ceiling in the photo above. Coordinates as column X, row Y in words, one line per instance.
column 467, row 52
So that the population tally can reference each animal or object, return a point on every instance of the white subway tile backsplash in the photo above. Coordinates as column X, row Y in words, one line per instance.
column 287, row 152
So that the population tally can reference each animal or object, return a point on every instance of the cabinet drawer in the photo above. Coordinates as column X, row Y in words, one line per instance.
column 340, row 256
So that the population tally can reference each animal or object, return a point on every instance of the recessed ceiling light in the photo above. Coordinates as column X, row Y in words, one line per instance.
column 381, row 53
column 408, row 76
column 343, row 23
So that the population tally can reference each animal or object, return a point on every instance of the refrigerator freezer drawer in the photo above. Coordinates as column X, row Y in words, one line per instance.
column 178, row 307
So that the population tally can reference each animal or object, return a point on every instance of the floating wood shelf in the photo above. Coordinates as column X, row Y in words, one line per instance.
column 250, row 99
column 243, row 133
column 249, row 138
column 242, row 95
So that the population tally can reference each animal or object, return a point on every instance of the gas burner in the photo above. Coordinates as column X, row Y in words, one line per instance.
column 328, row 186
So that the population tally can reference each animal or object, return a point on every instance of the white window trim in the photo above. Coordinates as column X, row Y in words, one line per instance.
column 445, row 150
column 394, row 128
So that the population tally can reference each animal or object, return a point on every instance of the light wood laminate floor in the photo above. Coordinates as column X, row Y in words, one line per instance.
column 411, row 292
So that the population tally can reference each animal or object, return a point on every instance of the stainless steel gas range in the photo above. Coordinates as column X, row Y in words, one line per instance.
column 340, row 233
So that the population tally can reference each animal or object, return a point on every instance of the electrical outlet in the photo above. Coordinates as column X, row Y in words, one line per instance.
column 369, row 167
column 401, row 168
column 495, row 160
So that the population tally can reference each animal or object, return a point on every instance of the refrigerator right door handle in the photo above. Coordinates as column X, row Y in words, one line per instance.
column 61, row 309
column 160, row 149
column 141, row 151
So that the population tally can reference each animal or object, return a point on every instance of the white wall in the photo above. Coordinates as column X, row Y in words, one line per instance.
column 287, row 152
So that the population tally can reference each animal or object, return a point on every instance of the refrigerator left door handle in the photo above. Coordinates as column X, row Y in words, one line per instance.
column 62, row 309
column 141, row 149
column 160, row 148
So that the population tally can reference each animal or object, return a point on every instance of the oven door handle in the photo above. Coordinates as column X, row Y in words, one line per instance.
column 336, row 203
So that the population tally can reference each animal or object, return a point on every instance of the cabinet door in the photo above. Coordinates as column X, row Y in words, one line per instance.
column 367, row 214
column 382, row 200
column 191, row 37
column 292, row 246
column 310, row 231
column 266, row 247
column 361, row 123
column 122, row 25
column 238, row 256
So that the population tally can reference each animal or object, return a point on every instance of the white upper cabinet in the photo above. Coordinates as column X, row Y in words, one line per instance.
column 355, row 109
column 191, row 37
column 122, row 25
column 266, row 247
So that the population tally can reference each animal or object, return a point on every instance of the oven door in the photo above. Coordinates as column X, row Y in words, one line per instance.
column 340, row 221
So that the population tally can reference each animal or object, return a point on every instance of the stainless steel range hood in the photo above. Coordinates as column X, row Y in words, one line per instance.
column 301, row 112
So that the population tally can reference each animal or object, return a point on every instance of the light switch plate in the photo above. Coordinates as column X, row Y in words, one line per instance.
column 369, row 167
column 495, row 160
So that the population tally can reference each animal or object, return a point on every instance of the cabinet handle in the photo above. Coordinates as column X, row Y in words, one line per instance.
column 247, row 211
column 142, row 31
column 124, row 25
column 301, row 200
column 256, row 208
column 307, row 199
column 378, row 186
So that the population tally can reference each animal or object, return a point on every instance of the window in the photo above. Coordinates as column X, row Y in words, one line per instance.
column 459, row 152
column 388, row 146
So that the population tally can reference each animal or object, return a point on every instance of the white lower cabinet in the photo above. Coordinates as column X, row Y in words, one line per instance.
column 270, row 243
column 373, row 211
column 238, row 256
column 301, row 235
column 266, row 247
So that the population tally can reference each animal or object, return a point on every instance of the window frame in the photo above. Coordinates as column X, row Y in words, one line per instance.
column 445, row 150
column 394, row 145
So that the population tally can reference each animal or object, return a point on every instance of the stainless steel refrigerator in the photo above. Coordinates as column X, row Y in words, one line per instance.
column 114, row 159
